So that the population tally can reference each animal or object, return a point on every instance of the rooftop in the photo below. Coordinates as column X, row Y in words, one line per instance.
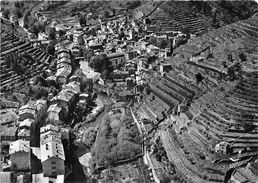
column 114, row 55
column 65, row 95
column 19, row 146
column 54, row 108
column 49, row 127
column 26, row 122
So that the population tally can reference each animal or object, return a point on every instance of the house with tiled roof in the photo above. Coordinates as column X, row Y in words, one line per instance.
column 52, row 151
column 41, row 106
column 8, row 135
column 49, row 127
column 27, row 111
column 65, row 98
column 116, row 59
column 20, row 155
column 24, row 129
column 73, row 86
column 56, row 113
column 63, row 73
column 63, row 65
column 63, row 55
column 60, row 50
column 33, row 110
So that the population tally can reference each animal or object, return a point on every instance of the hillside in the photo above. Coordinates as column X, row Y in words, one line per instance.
column 196, row 16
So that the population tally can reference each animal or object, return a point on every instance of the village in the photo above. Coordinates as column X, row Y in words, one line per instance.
column 125, row 97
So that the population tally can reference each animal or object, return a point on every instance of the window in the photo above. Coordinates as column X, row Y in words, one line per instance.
column 54, row 173
column 51, row 181
column 53, row 167
column 53, row 163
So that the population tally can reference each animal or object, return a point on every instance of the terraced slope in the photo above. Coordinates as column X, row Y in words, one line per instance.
column 35, row 61
column 231, row 118
column 242, row 34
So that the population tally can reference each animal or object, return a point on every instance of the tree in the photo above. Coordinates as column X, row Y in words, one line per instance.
column 61, row 33
column 147, row 21
column 82, row 21
column 81, row 40
column 89, row 137
column 34, row 29
column 165, row 178
column 18, row 13
column 230, row 57
column 106, row 14
column 153, row 40
column 88, row 54
column 97, row 62
column 199, row 77
column 161, row 43
column 185, row 30
column 52, row 34
column 51, row 48
column 105, row 74
column 121, row 35
column 6, row 14
column 41, row 26
column 93, row 32
column 242, row 56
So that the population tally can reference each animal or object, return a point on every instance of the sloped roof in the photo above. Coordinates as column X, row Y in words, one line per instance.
column 63, row 54
column 49, row 127
column 40, row 103
column 54, row 108
column 24, row 132
column 114, row 55
column 64, row 71
column 65, row 95
column 125, row 93
column 73, row 86
column 26, row 122
column 19, row 146
column 28, row 108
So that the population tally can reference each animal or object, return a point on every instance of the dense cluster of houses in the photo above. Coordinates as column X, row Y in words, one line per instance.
column 36, row 133
column 64, row 68
column 43, row 115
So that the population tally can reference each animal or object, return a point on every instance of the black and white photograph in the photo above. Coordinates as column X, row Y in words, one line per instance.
column 129, row 91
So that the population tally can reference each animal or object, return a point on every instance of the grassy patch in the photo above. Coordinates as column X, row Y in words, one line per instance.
column 116, row 141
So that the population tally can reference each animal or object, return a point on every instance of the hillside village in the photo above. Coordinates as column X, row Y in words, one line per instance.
column 132, row 94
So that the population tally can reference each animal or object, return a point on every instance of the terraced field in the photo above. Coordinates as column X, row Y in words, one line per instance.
column 242, row 34
column 37, row 61
column 192, row 150
column 229, row 116
column 177, row 21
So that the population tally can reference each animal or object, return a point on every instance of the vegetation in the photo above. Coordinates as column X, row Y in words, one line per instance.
column 6, row 14
column 89, row 136
column 82, row 21
column 88, row 54
column 99, row 62
column 52, row 33
column 51, row 48
column 161, row 43
column 116, row 142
